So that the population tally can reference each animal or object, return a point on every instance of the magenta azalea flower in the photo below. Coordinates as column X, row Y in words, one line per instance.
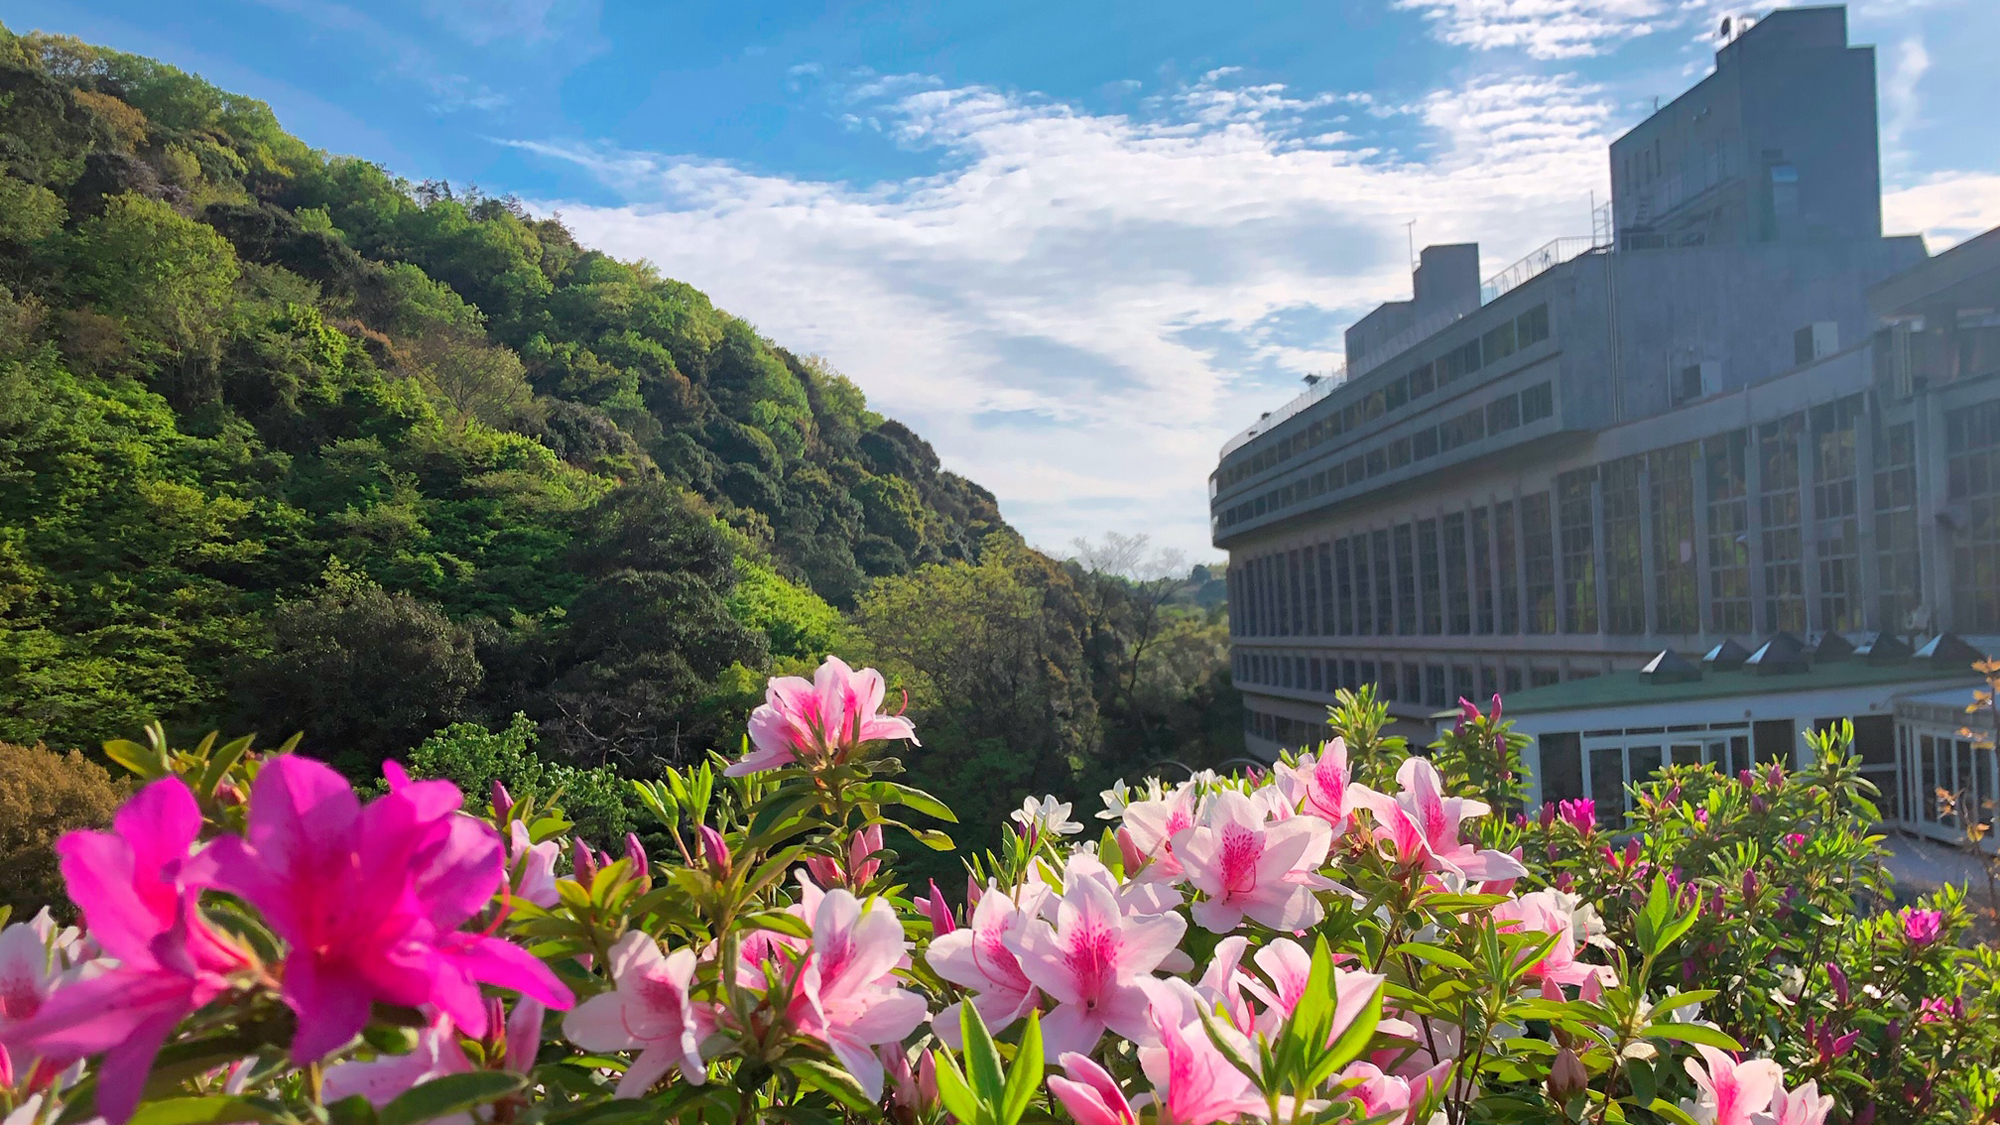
column 821, row 721
column 1922, row 927
column 371, row 899
column 1247, row 865
column 1544, row 912
column 648, row 1010
column 1090, row 962
column 136, row 888
column 1421, row 825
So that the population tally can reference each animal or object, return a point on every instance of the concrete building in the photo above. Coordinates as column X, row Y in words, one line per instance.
column 1739, row 411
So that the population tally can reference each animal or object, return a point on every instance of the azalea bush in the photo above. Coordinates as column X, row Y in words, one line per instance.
column 1357, row 935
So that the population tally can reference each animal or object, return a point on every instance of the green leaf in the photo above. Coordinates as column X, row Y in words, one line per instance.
column 834, row 1082
column 893, row 793
column 351, row 1110
column 1682, row 1000
column 1443, row 958
column 1699, row 1033
column 1671, row 1112
column 219, row 765
column 1351, row 1043
column 205, row 1111
column 135, row 758
column 449, row 1095
column 982, row 1060
column 933, row 839
column 953, row 1091
column 1026, row 1076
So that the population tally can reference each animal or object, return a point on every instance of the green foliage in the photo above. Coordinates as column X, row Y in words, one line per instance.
column 598, row 801
column 796, row 622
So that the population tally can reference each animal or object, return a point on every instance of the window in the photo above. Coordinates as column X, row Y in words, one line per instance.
column 1624, row 574
column 1687, row 384
column 1378, row 462
column 1728, row 535
column 1406, row 581
column 1354, row 469
column 1784, row 555
column 1291, row 615
column 1422, row 381
column 1561, row 769
column 1462, row 430
column 1898, row 569
column 1674, row 570
column 1607, row 784
column 1836, row 522
column 1532, row 327
column 1972, row 488
column 1461, row 684
column 1458, row 362
column 1504, row 545
column 1543, row 677
column 1364, row 599
column 1343, row 586
column 1434, row 695
column 1513, row 680
column 1538, row 558
column 1537, row 402
column 1427, row 568
column 1503, row 414
column 1498, row 343
column 1424, row 443
column 1579, row 551
column 1458, row 594
column 1368, row 675
column 1385, row 584
column 1397, row 394
column 1311, row 625
column 1413, row 687
column 1399, row 453
column 1327, row 615
column 1482, row 570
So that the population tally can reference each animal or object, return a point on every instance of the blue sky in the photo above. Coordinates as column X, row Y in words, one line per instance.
column 1076, row 246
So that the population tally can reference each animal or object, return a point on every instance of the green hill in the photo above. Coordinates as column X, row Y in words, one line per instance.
column 287, row 442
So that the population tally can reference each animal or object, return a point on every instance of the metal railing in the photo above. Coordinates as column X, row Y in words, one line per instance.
column 1537, row 262
column 1325, row 386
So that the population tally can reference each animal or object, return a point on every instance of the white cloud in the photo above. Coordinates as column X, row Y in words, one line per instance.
column 1081, row 308
column 1544, row 29
column 1907, row 65
column 1949, row 207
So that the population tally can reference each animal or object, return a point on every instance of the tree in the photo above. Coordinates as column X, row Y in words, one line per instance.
column 365, row 673
column 170, row 281
column 44, row 794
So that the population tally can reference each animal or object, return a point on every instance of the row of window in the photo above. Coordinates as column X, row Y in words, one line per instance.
column 1534, row 565
column 1426, row 684
column 1496, row 417
column 1503, row 340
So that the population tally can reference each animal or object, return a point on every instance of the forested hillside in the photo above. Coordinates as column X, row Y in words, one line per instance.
column 289, row 443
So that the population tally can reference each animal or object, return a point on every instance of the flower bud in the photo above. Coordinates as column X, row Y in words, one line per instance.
column 714, row 851
column 1567, row 1077
column 636, row 852
column 971, row 892
column 1548, row 814
column 865, row 844
column 927, row 1087
column 825, row 871
column 1128, row 852
column 583, row 860
column 503, row 802
column 1865, row 1115
column 939, row 911
column 1838, row 979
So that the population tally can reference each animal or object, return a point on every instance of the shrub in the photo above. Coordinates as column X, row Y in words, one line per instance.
column 473, row 758
column 44, row 794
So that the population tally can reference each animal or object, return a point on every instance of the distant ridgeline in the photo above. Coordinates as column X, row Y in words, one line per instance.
column 285, row 441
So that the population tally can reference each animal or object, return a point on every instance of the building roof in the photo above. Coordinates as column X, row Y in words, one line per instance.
column 1633, row 688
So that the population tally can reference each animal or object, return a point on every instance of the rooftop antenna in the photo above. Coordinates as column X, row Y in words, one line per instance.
column 1410, row 235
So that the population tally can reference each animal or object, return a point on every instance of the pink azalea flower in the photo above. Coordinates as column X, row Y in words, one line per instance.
column 848, row 996
column 537, row 864
column 1245, row 865
column 819, row 722
column 1152, row 826
column 1379, row 1094
column 939, row 912
column 1193, row 1082
column 1544, row 912
column 136, row 888
column 1289, row 968
column 1317, row 785
column 1421, row 824
column 859, row 867
column 1090, row 962
column 1803, row 1106
column 1580, row 814
column 648, row 1010
column 1089, row 1093
column 384, row 1077
column 371, row 899
column 1731, row 1092
column 28, row 967
column 980, row 958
